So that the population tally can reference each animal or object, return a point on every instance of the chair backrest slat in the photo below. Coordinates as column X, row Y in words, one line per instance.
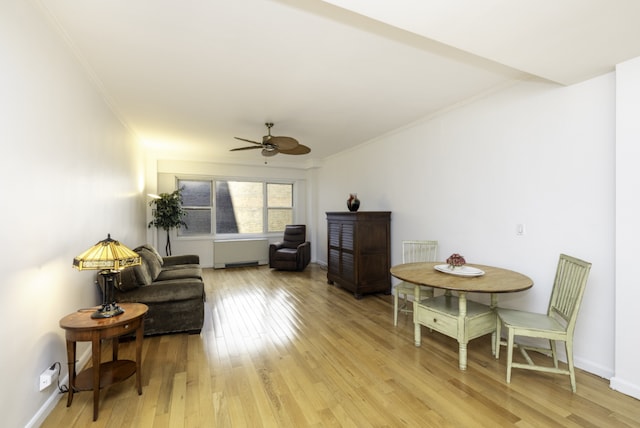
column 419, row 251
column 568, row 289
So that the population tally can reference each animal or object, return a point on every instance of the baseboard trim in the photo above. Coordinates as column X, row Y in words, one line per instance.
column 625, row 387
column 52, row 401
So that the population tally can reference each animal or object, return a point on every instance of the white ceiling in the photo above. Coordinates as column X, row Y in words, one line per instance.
column 187, row 76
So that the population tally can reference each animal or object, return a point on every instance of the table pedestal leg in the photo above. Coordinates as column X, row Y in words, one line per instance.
column 71, row 364
column 417, row 334
column 95, row 351
column 115, row 346
column 462, row 333
column 495, row 340
column 139, row 337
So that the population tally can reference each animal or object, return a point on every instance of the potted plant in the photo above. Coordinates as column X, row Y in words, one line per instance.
column 168, row 213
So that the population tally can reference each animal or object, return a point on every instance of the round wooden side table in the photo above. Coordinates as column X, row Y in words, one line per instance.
column 80, row 327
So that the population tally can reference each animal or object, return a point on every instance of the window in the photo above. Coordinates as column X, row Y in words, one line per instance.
column 245, row 207
column 196, row 201
column 241, row 207
column 279, row 206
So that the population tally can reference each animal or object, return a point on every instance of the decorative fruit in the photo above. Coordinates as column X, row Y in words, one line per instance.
column 456, row 260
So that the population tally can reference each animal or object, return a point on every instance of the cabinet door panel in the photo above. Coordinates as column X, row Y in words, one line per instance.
column 334, row 261
column 373, row 268
column 371, row 238
column 334, row 234
column 348, row 267
column 347, row 236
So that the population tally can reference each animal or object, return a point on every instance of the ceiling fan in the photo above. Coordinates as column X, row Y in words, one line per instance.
column 272, row 145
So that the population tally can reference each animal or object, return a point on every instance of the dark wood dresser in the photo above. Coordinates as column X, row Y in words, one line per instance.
column 359, row 245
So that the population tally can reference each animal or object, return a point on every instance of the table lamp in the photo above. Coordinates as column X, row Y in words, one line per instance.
column 109, row 257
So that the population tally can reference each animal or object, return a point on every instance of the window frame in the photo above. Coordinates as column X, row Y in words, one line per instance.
column 267, row 207
column 212, row 180
column 179, row 231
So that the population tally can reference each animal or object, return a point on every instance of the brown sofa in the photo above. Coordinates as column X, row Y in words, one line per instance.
column 172, row 288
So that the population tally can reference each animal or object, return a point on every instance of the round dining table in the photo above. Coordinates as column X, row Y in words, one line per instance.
column 455, row 315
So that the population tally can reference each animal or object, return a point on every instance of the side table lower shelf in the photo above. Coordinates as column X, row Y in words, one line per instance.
column 110, row 372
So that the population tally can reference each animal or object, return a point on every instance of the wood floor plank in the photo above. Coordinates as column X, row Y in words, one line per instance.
column 178, row 396
column 285, row 349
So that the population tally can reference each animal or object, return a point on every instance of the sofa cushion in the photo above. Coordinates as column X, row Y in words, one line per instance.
column 165, row 291
column 186, row 265
column 153, row 250
column 126, row 280
column 187, row 271
column 151, row 262
column 143, row 276
column 183, row 259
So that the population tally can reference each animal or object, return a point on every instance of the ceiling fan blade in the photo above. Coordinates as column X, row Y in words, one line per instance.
column 248, row 141
column 284, row 143
column 272, row 145
column 301, row 149
column 246, row 148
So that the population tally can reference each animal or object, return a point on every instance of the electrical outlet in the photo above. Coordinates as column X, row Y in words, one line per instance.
column 48, row 377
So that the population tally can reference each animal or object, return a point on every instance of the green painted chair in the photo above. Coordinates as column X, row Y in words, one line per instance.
column 413, row 251
column 557, row 324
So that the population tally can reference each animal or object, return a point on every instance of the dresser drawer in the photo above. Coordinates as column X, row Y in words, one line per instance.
column 121, row 330
column 442, row 315
column 437, row 320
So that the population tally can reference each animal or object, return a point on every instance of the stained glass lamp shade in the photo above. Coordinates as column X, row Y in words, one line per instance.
column 109, row 257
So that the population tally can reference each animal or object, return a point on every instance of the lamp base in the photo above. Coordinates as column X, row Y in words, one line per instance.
column 108, row 311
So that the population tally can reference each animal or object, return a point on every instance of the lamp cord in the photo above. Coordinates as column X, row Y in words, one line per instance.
column 61, row 388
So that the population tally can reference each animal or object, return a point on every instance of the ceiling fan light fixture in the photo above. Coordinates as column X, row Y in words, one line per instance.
column 272, row 145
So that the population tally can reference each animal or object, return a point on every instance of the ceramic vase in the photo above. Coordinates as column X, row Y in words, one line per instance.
column 353, row 203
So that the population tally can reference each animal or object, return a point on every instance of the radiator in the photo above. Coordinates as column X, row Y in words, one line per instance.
column 240, row 252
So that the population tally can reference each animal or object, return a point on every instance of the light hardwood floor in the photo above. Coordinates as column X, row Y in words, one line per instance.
column 284, row 349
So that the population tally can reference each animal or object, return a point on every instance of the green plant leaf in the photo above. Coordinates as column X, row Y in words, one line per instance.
column 167, row 211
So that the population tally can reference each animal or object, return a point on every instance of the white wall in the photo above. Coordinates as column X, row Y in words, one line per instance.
column 627, row 352
column 536, row 154
column 71, row 173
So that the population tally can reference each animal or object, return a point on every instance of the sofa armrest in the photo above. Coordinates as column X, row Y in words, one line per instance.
column 304, row 250
column 273, row 248
column 185, row 259
column 277, row 245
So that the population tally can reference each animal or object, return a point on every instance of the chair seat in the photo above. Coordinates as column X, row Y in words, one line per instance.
column 408, row 288
column 530, row 321
column 286, row 253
